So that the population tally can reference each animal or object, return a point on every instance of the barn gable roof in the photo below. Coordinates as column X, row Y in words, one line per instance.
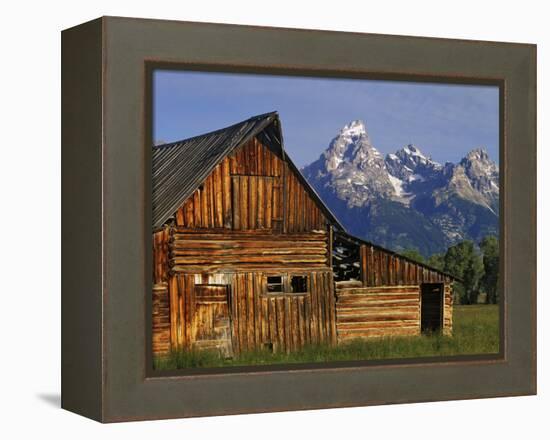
column 179, row 168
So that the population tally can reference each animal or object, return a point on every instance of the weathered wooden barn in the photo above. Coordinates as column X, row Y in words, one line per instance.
column 247, row 256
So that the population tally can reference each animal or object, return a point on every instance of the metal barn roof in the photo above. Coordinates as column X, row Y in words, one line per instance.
column 179, row 168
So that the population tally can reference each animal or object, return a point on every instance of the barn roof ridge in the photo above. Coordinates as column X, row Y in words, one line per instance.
column 216, row 131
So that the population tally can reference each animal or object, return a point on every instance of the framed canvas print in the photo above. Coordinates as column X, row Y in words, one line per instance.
column 265, row 219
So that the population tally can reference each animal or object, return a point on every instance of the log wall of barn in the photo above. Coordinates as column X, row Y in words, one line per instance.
column 363, row 312
column 377, row 311
column 200, row 251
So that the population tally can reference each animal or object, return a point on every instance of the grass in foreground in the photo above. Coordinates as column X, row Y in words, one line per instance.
column 475, row 331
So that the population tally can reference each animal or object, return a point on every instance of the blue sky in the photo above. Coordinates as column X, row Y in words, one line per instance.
column 444, row 121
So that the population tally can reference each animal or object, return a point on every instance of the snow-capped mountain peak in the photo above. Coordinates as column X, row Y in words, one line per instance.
column 483, row 175
column 354, row 128
column 352, row 145
column 352, row 166
column 479, row 153
column 442, row 204
column 410, row 164
column 413, row 155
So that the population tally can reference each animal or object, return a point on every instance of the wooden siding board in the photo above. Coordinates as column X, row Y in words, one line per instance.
column 300, row 301
column 280, row 313
column 241, row 317
column 257, row 311
column 161, row 318
column 272, row 314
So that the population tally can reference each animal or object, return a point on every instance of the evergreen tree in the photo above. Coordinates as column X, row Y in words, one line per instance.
column 414, row 255
column 489, row 281
column 462, row 261
column 437, row 261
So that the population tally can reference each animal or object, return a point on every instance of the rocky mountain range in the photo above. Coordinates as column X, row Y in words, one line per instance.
column 405, row 200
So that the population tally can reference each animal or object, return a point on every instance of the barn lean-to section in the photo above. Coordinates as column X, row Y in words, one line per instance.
column 246, row 256
column 380, row 293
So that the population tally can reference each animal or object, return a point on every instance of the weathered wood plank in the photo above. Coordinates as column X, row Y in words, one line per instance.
column 196, row 251
column 242, row 316
column 307, row 317
column 245, row 267
column 314, row 326
column 252, row 202
column 273, row 258
column 260, row 224
column 319, row 311
column 272, row 321
column 300, row 302
column 257, row 309
column 173, row 292
column 368, row 318
column 280, row 312
column 375, row 310
column 287, row 325
column 344, row 335
column 295, row 323
column 218, row 198
column 264, row 320
column 250, row 330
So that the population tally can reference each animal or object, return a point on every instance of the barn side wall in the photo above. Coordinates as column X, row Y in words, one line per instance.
column 363, row 312
column 379, row 292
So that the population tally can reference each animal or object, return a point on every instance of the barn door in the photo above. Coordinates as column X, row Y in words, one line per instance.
column 211, row 324
column 431, row 310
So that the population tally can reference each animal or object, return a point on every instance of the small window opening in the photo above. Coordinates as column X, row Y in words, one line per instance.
column 298, row 284
column 274, row 284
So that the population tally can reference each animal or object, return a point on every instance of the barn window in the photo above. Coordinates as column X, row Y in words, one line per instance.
column 287, row 284
column 275, row 284
column 298, row 283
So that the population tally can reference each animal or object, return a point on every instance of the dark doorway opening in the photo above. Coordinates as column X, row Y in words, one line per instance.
column 431, row 310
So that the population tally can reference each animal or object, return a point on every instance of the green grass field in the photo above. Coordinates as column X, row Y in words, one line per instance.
column 475, row 331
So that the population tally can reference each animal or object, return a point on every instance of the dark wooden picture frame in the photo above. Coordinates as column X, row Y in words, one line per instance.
column 106, row 215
